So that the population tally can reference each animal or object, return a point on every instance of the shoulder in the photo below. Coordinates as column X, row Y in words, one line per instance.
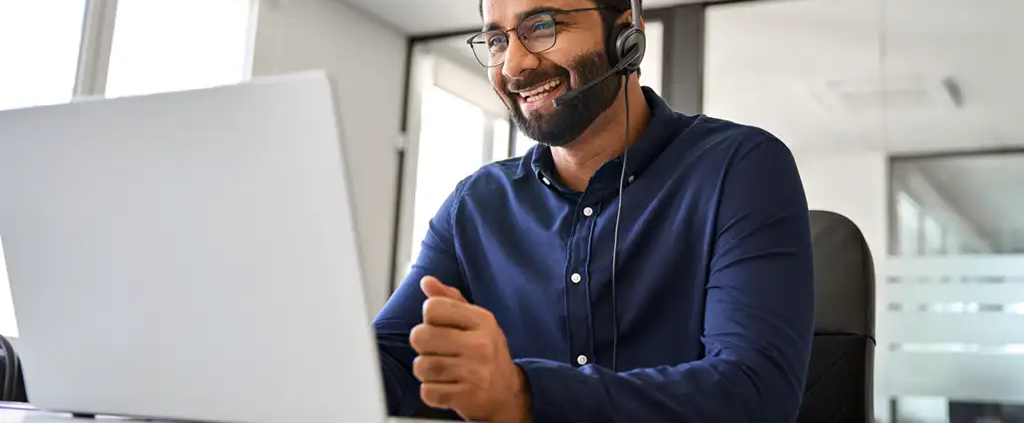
column 712, row 147
column 492, row 183
column 737, row 140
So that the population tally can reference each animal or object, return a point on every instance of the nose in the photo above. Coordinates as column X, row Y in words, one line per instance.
column 518, row 59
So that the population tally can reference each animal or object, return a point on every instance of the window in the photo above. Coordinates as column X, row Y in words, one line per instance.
column 172, row 45
column 953, row 244
column 451, row 147
column 652, row 66
column 8, row 324
column 39, row 42
column 933, row 237
column 523, row 143
column 501, row 140
column 908, row 217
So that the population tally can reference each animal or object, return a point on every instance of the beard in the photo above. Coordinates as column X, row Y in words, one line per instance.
column 567, row 122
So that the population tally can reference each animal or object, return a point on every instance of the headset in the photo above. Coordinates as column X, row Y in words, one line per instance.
column 628, row 44
column 626, row 49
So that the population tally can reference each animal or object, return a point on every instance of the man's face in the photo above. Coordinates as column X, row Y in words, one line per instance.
column 529, row 82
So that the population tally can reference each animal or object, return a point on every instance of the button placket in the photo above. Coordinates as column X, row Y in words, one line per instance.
column 577, row 290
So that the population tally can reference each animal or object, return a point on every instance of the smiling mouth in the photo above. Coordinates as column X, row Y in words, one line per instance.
column 537, row 94
column 544, row 94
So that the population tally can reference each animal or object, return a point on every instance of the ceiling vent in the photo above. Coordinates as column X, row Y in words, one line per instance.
column 901, row 93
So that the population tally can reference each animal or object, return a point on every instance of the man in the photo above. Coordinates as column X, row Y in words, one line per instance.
column 510, row 313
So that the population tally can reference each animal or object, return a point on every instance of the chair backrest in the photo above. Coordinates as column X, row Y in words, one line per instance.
column 12, row 380
column 840, row 381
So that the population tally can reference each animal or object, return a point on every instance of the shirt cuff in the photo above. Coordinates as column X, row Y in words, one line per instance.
column 561, row 393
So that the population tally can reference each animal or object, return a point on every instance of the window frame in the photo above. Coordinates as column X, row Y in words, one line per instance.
column 94, row 51
column 430, row 68
column 97, row 38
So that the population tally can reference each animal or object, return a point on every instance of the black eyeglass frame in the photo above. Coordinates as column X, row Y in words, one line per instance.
column 519, row 35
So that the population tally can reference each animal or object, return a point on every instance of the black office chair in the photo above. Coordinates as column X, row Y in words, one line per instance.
column 12, row 380
column 840, row 382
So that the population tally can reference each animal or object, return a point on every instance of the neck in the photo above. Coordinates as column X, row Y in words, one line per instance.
column 578, row 161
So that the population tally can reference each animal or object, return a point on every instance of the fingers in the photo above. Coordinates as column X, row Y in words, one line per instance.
column 439, row 369
column 452, row 313
column 434, row 288
column 437, row 340
column 445, row 395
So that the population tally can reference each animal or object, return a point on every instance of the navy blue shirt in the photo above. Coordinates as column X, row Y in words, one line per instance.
column 714, row 287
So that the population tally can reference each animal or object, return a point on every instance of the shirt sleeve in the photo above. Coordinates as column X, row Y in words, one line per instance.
column 404, row 310
column 758, row 322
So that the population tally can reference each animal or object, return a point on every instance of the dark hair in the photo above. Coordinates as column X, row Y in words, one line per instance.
column 616, row 5
column 612, row 5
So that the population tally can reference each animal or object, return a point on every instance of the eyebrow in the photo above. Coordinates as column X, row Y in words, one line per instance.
column 491, row 26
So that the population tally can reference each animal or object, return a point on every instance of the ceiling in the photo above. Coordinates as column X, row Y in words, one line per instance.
column 424, row 17
column 812, row 72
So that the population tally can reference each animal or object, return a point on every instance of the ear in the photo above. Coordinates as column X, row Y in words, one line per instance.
column 626, row 18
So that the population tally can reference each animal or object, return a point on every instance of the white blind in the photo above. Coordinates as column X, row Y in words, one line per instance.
column 953, row 327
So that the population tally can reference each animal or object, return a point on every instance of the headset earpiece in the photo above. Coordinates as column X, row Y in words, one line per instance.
column 627, row 43
column 612, row 44
column 630, row 47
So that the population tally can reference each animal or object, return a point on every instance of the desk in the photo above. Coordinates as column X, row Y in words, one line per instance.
column 14, row 413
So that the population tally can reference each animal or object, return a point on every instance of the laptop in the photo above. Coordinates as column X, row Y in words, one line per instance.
column 189, row 256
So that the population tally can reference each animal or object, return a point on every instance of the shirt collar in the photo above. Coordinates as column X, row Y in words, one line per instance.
column 663, row 128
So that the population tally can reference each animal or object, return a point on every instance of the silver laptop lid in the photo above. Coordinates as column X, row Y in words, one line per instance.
column 189, row 255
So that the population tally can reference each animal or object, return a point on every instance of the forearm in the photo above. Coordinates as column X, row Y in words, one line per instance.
column 401, row 388
column 723, row 388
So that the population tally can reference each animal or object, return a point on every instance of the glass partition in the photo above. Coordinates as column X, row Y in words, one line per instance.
column 954, row 283
column 955, row 289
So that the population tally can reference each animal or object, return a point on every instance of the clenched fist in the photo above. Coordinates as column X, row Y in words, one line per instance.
column 464, row 361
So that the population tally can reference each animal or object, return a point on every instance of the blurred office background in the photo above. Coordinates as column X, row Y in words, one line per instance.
column 905, row 115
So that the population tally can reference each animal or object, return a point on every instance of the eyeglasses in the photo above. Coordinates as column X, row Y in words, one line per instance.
column 537, row 33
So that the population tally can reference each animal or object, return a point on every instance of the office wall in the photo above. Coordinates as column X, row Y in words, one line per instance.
column 853, row 184
column 367, row 61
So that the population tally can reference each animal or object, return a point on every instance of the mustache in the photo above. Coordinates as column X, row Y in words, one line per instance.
column 534, row 78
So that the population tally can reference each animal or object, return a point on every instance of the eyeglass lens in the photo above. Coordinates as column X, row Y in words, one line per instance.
column 537, row 34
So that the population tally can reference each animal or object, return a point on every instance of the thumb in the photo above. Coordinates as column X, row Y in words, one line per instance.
column 433, row 288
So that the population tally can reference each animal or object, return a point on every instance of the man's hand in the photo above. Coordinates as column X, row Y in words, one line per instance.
column 464, row 361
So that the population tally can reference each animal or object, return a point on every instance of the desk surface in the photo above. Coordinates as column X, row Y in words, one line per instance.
column 13, row 413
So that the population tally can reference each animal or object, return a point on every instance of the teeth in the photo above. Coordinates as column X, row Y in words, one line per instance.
column 533, row 95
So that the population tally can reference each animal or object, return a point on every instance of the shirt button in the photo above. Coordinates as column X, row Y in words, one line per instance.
column 588, row 212
column 631, row 178
column 581, row 360
column 546, row 181
column 576, row 278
